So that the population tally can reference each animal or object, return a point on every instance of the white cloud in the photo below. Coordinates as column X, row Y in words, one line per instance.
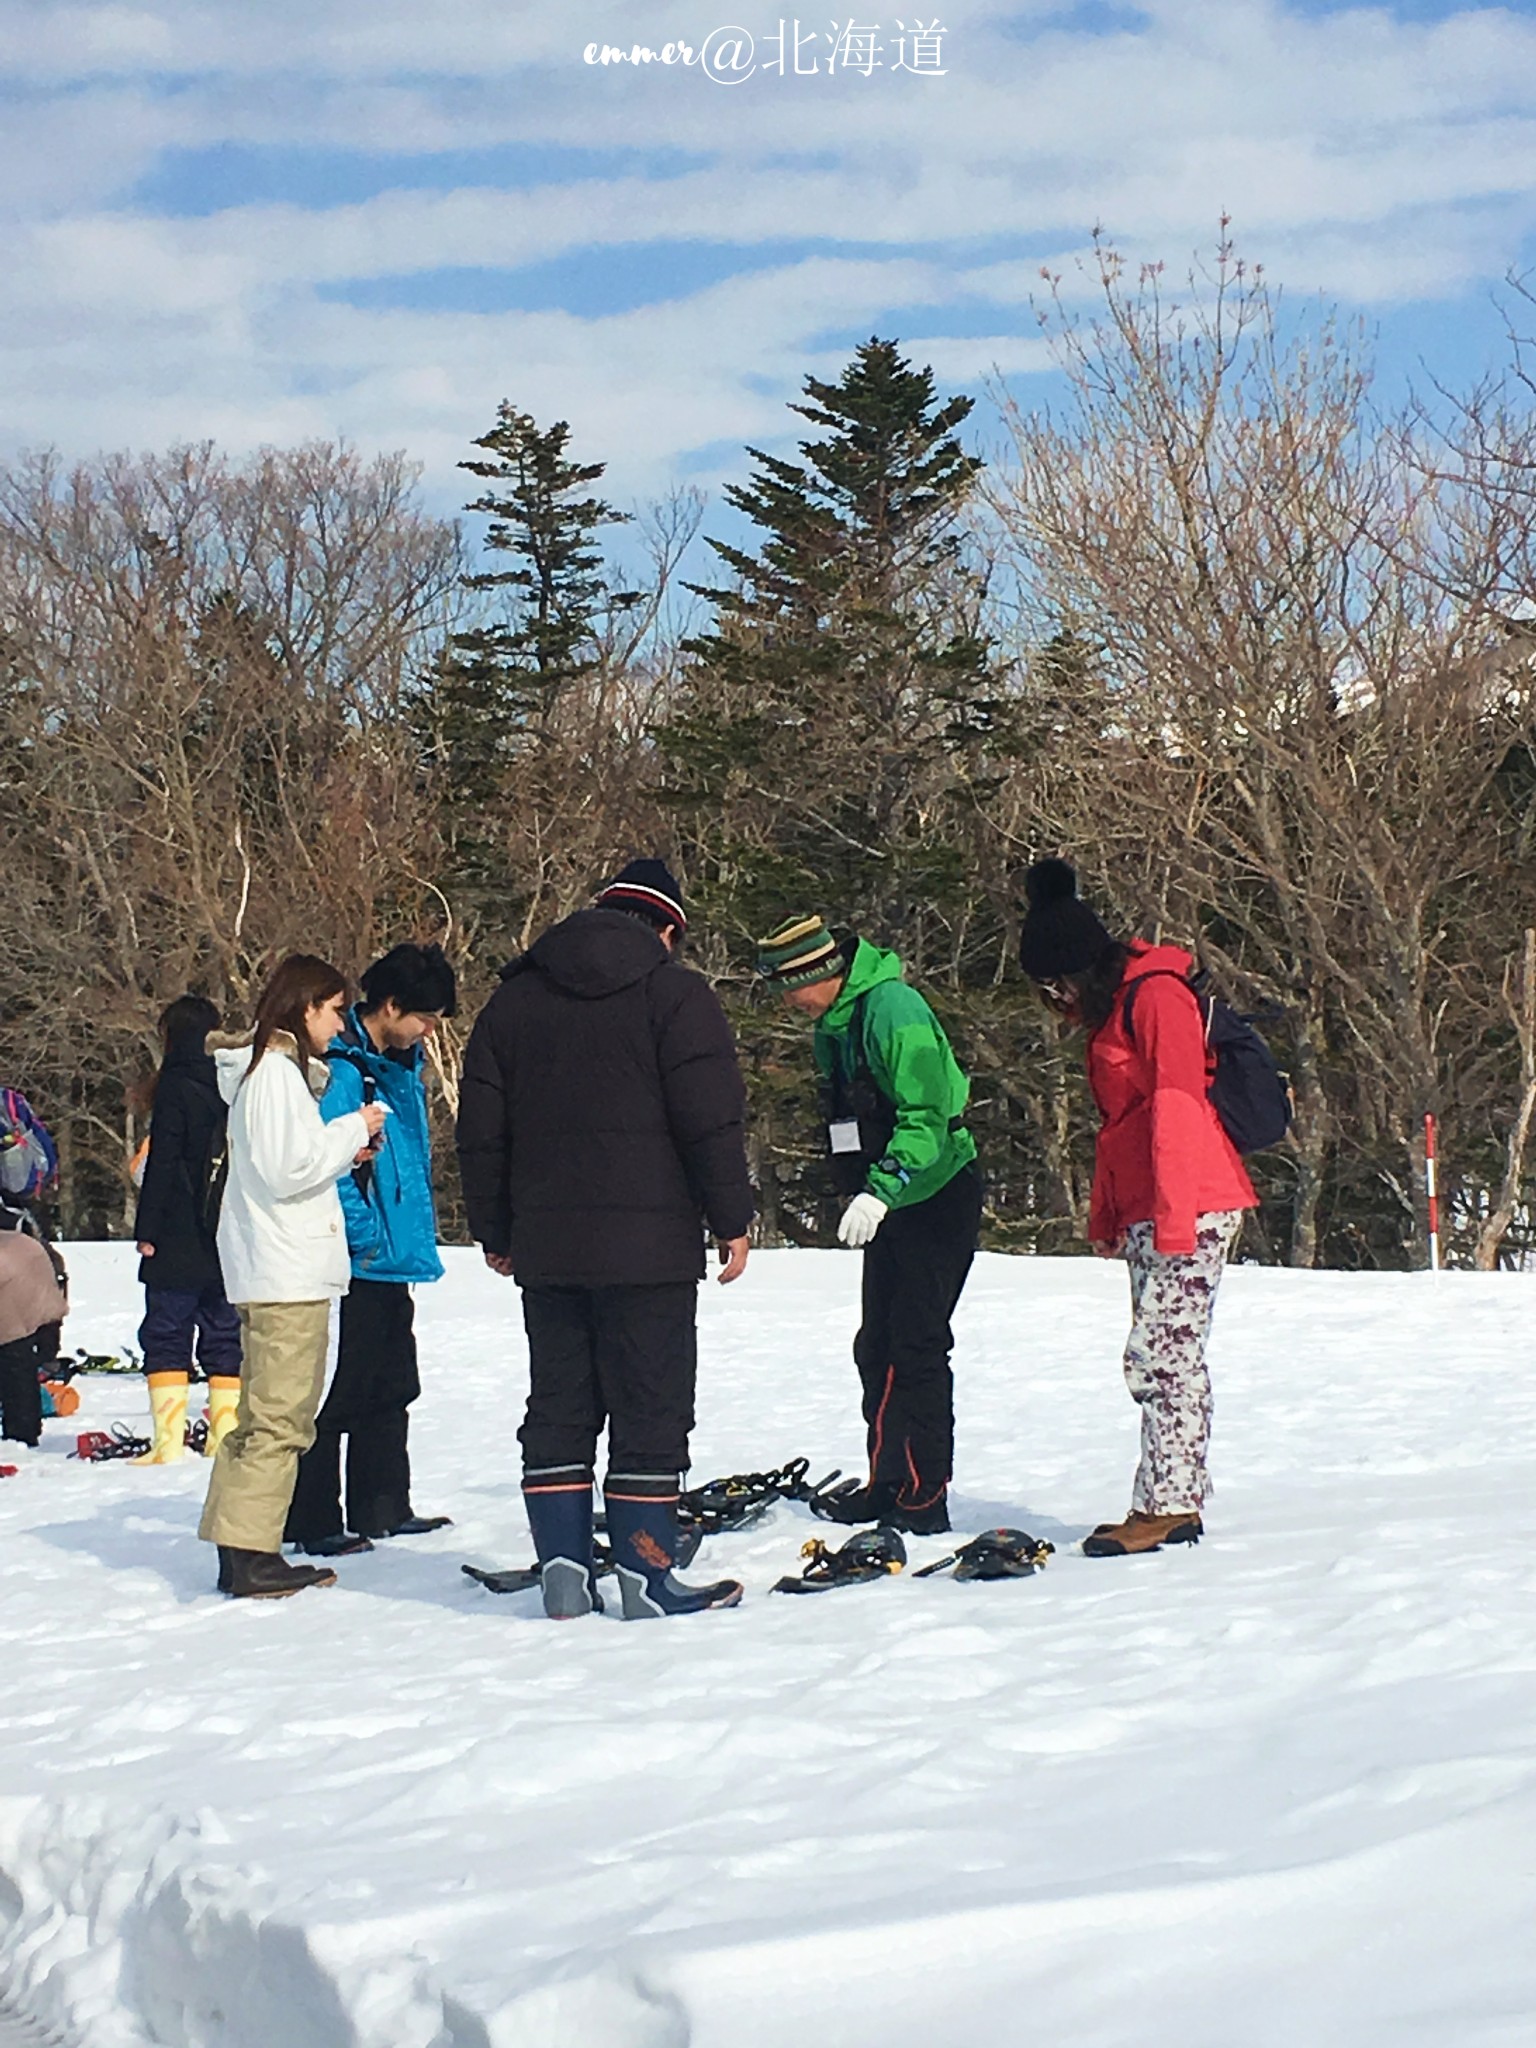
column 1361, row 155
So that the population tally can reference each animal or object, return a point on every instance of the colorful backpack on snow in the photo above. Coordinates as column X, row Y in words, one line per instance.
column 29, row 1160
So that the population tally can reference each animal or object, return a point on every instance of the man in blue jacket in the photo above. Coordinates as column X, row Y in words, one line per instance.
column 392, row 1238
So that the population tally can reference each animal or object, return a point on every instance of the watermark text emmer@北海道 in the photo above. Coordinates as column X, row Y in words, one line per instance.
column 731, row 55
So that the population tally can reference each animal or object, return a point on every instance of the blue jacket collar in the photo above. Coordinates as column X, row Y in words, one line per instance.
column 353, row 1041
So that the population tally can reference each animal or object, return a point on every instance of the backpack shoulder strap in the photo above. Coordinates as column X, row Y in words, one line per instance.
column 1128, row 1001
column 352, row 1056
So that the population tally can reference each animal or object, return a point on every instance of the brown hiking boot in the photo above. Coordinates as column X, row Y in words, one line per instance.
column 1141, row 1531
column 263, row 1575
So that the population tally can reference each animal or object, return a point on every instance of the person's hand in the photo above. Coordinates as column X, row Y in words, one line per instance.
column 146, row 1251
column 1109, row 1247
column 500, row 1262
column 373, row 1115
column 861, row 1219
column 733, row 1257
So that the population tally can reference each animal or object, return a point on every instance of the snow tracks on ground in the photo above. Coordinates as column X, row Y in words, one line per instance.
column 1277, row 1789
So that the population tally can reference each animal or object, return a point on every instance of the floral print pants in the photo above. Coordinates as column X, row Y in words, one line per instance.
column 1172, row 1297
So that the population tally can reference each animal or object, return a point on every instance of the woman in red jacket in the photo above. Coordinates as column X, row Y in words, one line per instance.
column 1168, row 1186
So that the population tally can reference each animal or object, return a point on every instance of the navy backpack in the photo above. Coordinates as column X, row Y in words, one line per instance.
column 1248, row 1091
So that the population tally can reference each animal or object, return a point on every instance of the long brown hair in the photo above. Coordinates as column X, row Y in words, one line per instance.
column 1098, row 988
column 1092, row 991
column 296, row 985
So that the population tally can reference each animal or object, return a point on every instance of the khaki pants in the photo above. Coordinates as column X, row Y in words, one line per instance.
column 284, row 1344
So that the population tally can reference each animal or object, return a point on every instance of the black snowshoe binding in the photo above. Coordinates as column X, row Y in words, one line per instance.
column 995, row 1554
column 722, row 1506
column 871, row 1554
column 78, row 1362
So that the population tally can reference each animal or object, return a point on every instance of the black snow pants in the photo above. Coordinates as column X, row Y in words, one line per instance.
column 368, row 1403
column 624, row 1356
column 21, row 1394
column 914, row 1269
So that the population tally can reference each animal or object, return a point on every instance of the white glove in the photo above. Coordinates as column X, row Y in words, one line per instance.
column 861, row 1219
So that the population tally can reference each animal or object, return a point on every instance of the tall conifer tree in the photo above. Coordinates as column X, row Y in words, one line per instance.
column 844, row 665
column 495, row 698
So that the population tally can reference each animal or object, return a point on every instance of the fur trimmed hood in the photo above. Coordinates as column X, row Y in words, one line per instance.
column 232, row 1057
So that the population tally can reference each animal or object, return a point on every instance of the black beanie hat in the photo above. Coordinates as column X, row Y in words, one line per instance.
column 1061, row 935
column 648, row 889
column 417, row 978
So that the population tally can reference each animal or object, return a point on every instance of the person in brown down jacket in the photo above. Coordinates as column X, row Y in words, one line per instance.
column 32, row 1303
column 599, row 1132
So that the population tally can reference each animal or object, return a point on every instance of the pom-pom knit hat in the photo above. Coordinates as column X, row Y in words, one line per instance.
column 800, row 952
column 649, row 889
column 1060, row 935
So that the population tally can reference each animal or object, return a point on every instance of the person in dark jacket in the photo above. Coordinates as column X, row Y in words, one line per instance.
column 392, row 1239
column 600, row 1130
column 1169, row 1189
column 894, row 1097
column 178, row 1214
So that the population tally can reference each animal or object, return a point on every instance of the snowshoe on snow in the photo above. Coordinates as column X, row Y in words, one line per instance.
column 94, row 1361
column 95, row 1446
column 995, row 1554
column 871, row 1554
column 523, row 1578
column 722, row 1506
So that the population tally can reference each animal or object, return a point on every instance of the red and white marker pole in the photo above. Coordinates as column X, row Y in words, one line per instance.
column 1432, row 1189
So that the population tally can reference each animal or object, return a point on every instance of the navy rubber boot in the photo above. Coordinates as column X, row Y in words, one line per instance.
column 642, row 1528
column 559, row 1503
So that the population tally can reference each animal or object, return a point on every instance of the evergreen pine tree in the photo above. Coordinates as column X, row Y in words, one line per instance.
column 494, row 699
column 845, row 666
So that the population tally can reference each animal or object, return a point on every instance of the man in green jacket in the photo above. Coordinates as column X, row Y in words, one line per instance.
column 894, row 1099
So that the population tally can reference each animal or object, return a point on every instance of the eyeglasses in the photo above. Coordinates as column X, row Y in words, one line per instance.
column 1056, row 991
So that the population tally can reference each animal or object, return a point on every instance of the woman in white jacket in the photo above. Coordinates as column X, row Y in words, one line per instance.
column 283, row 1250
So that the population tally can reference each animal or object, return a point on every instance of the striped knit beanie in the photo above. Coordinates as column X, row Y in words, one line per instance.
column 648, row 889
column 800, row 952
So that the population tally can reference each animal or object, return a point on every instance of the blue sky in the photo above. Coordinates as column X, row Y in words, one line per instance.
column 272, row 220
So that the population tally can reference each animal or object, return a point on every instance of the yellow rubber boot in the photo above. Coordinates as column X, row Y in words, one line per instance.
column 223, row 1411
column 168, row 1410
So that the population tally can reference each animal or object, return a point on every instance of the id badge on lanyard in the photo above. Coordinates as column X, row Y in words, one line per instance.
column 843, row 1135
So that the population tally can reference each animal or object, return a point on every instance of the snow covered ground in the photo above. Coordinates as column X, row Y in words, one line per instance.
column 1278, row 1790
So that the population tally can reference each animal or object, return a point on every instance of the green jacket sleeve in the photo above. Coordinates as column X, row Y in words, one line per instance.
column 911, row 1061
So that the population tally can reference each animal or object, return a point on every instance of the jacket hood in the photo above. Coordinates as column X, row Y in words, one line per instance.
column 354, row 1043
column 594, row 953
column 187, row 1054
column 1147, row 959
column 869, row 966
column 232, row 1060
